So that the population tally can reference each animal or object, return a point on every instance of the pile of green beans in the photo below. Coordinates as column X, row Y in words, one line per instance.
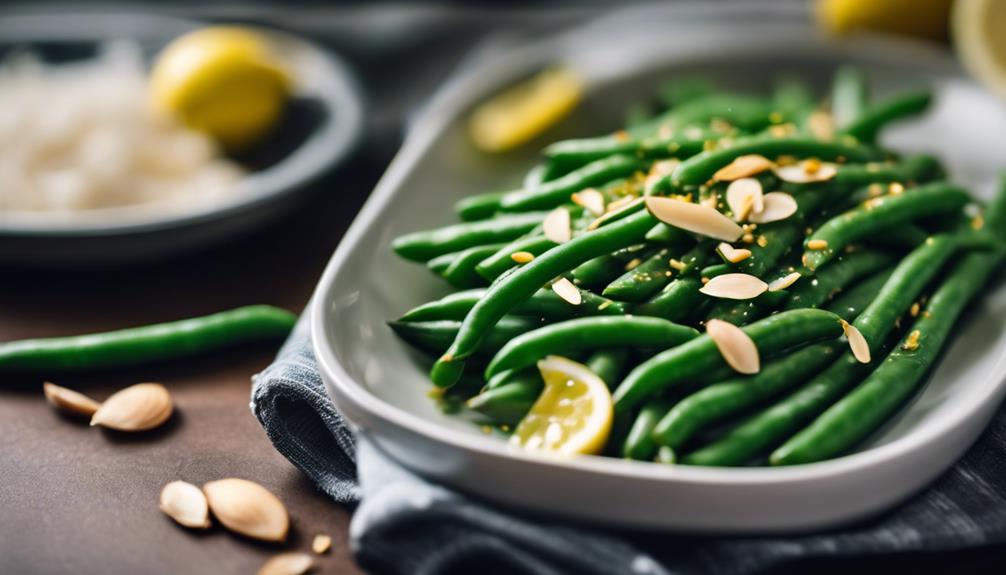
column 881, row 245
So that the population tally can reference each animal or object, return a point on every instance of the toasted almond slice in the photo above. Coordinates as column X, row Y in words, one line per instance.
column 677, row 264
column 69, row 401
column 287, row 564
column 567, row 291
column 743, row 167
column 821, row 125
column 321, row 544
column 732, row 254
column 858, row 344
column 806, row 172
column 556, row 226
column 696, row 218
column 522, row 257
column 591, row 199
column 734, row 286
column 620, row 203
column 744, row 196
column 736, row 347
column 186, row 504
column 247, row 508
column 137, row 408
column 817, row 245
column 777, row 206
column 783, row 282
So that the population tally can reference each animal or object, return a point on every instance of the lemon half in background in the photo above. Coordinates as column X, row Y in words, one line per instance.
column 979, row 32
column 222, row 80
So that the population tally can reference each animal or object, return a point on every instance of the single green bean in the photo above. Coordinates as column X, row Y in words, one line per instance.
column 138, row 345
column 699, row 360
column 557, row 192
column 589, row 333
column 873, row 119
column 881, row 213
column 642, row 281
column 479, row 207
column 436, row 336
column 461, row 271
column 639, row 444
column 609, row 365
column 428, row 244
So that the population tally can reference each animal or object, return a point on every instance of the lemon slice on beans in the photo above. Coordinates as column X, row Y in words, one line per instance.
column 221, row 80
column 573, row 414
column 517, row 115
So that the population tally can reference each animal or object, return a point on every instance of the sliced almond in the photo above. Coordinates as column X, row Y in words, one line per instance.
column 732, row 254
column 806, row 172
column 247, row 508
column 69, row 401
column 556, row 226
column 736, row 347
column 777, row 206
column 321, row 544
column 287, row 564
column 186, row 504
column 860, row 347
column 783, row 282
column 695, row 218
column 734, row 286
column 817, row 245
column 137, row 408
column 591, row 200
column 567, row 291
column 743, row 167
column 744, row 196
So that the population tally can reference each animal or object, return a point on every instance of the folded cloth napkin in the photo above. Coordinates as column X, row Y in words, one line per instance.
column 404, row 524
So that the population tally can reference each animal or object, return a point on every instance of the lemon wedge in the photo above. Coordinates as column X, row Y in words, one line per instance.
column 573, row 414
column 923, row 18
column 517, row 115
column 978, row 27
column 222, row 80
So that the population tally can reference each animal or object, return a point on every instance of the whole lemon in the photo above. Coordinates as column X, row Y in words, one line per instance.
column 222, row 80
column 924, row 18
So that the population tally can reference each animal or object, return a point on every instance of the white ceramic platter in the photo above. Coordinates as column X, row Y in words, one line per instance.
column 381, row 386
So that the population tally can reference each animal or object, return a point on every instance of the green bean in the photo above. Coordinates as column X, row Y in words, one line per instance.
column 700, row 168
column 586, row 334
column 609, row 365
column 491, row 267
column 436, row 336
column 793, row 100
column 665, row 234
column 905, row 236
column 858, row 414
column 849, row 95
column 583, row 151
column 479, row 207
column 816, row 290
column 425, row 245
column 879, row 214
column 509, row 290
column 639, row 444
column 772, row 426
column 149, row 343
column 461, row 272
column 509, row 402
column 723, row 400
column 866, row 125
column 919, row 168
column 439, row 264
column 642, row 281
column 676, row 302
column 746, row 311
column 557, row 192
column 599, row 271
column 700, row 359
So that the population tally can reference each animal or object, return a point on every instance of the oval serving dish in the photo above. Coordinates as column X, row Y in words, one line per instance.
column 382, row 387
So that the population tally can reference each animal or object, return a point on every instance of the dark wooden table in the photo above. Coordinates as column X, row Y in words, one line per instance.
column 82, row 500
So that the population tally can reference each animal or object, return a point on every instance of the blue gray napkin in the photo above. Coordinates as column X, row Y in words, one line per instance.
column 406, row 525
